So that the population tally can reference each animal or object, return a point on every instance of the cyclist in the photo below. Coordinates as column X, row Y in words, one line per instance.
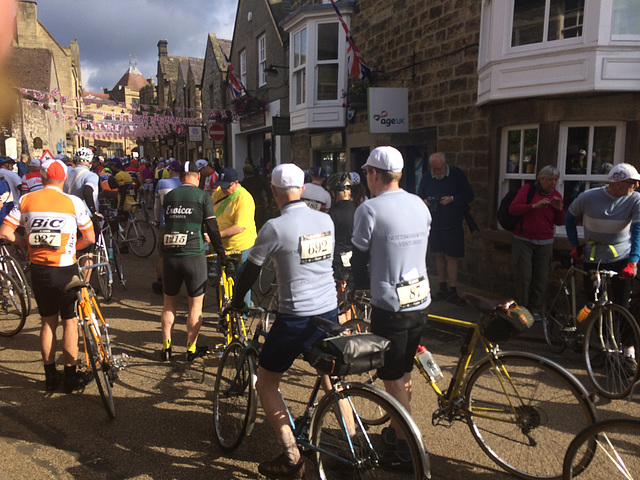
column 51, row 219
column 235, row 211
column 390, row 233
column 341, row 212
column 83, row 183
column 32, row 180
column 108, row 187
column 188, row 211
column 314, row 193
column 305, row 287
column 165, row 185
column 611, row 220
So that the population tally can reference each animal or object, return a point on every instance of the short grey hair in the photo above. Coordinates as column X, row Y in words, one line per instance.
column 548, row 171
column 288, row 191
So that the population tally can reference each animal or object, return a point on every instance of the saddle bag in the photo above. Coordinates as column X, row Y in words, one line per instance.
column 505, row 324
column 348, row 354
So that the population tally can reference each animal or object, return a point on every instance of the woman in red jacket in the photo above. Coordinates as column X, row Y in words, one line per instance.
column 532, row 247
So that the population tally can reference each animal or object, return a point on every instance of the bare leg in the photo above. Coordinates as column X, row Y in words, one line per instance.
column 452, row 271
column 194, row 318
column 168, row 315
column 70, row 340
column 441, row 267
column 276, row 411
column 48, row 338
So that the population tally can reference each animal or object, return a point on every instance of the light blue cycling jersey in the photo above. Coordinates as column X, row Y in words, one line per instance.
column 77, row 178
column 607, row 223
column 300, row 241
column 164, row 186
column 394, row 228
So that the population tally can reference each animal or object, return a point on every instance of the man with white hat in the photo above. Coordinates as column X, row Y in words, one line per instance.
column 390, row 232
column 611, row 219
column 304, row 276
column 51, row 220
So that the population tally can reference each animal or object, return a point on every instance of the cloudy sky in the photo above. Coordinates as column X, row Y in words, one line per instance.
column 110, row 31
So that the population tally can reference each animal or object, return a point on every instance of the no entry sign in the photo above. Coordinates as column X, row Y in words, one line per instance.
column 216, row 132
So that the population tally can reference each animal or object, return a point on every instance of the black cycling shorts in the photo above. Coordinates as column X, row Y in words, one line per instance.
column 48, row 288
column 192, row 271
column 403, row 329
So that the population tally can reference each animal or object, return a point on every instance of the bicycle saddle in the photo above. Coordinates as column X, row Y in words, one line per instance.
column 488, row 304
column 76, row 282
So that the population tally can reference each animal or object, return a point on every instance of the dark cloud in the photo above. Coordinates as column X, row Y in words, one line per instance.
column 110, row 32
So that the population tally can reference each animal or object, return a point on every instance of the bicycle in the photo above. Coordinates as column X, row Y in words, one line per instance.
column 140, row 205
column 613, row 447
column 136, row 234
column 106, row 240
column 94, row 331
column 231, row 326
column 513, row 402
column 343, row 442
column 11, row 266
column 12, row 306
column 606, row 334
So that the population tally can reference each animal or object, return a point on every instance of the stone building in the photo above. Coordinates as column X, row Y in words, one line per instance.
column 169, row 67
column 31, row 34
column 214, row 96
column 258, row 55
column 502, row 88
column 188, row 105
column 108, row 119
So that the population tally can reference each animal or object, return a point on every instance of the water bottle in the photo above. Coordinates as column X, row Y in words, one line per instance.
column 428, row 363
column 584, row 313
column 110, row 253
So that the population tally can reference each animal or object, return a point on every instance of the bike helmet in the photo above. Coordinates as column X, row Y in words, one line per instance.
column 84, row 154
column 339, row 181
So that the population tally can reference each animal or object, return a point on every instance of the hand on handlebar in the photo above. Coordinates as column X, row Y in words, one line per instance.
column 577, row 252
column 629, row 271
column 231, row 308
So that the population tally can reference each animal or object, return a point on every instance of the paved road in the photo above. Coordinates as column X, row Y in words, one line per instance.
column 164, row 424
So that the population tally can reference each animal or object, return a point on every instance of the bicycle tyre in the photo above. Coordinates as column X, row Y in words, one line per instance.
column 12, row 267
column 267, row 277
column 102, row 256
column 235, row 399
column 12, row 307
column 614, row 448
column 20, row 255
column 99, row 368
column 603, row 350
column 556, row 316
column 141, row 238
column 116, row 265
column 371, row 456
column 552, row 407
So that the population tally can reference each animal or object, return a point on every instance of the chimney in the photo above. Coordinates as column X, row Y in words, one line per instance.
column 162, row 48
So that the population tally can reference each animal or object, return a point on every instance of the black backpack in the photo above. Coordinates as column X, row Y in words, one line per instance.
column 505, row 219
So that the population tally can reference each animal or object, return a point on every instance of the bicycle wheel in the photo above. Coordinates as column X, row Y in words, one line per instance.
column 141, row 237
column 12, row 267
column 99, row 367
column 613, row 447
column 349, row 448
column 267, row 277
column 235, row 399
column 525, row 413
column 611, row 331
column 116, row 265
column 102, row 256
column 556, row 316
column 12, row 307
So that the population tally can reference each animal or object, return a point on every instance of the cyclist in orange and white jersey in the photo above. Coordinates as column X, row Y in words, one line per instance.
column 51, row 219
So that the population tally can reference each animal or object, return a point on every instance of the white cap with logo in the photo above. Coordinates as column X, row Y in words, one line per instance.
column 623, row 171
column 385, row 158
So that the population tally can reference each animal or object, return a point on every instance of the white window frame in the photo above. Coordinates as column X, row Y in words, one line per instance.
column 262, row 60
column 335, row 61
column 243, row 68
column 545, row 31
column 505, row 177
column 299, row 70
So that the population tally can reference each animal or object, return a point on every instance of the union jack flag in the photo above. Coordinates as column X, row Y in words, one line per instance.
column 357, row 65
column 235, row 85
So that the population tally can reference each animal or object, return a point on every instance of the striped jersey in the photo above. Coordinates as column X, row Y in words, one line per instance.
column 51, row 219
